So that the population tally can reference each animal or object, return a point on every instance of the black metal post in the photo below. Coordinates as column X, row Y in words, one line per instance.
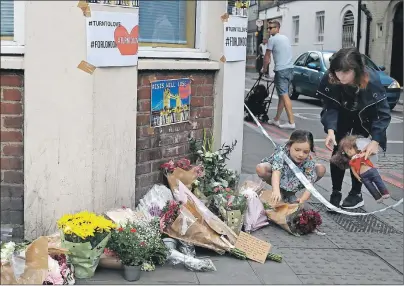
column 358, row 28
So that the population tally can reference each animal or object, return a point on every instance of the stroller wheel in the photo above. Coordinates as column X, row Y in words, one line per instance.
column 265, row 118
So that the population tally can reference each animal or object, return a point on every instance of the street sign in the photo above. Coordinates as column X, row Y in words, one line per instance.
column 259, row 23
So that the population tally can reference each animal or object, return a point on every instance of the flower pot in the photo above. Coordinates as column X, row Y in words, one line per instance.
column 131, row 273
column 170, row 243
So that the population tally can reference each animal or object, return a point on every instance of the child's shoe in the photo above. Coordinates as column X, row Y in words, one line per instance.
column 386, row 194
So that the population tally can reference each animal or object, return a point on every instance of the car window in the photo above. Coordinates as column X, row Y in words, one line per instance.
column 326, row 58
column 313, row 58
column 368, row 62
column 301, row 60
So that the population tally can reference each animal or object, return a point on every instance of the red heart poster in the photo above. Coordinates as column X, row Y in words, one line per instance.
column 127, row 43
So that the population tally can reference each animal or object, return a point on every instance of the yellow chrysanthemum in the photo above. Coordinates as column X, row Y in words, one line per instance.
column 84, row 224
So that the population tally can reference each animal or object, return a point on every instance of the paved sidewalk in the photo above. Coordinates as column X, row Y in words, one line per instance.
column 355, row 250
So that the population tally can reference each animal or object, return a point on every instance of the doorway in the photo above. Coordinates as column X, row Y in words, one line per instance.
column 396, row 68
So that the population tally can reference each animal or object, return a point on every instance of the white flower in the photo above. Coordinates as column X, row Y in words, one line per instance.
column 7, row 251
column 200, row 152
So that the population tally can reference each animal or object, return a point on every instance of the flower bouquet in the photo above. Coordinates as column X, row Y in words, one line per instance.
column 230, row 207
column 255, row 216
column 138, row 245
column 291, row 217
column 23, row 264
column 85, row 235
column 59, row 272
column 194, row 223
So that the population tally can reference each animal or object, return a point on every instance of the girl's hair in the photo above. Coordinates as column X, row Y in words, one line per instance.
column 301, row 136
column 340, row 159
column 347, row 59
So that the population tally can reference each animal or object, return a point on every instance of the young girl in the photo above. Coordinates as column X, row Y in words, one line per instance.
column 349, row 155
column 276, row 172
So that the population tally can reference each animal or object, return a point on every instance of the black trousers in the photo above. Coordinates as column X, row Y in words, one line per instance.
column 337, row 177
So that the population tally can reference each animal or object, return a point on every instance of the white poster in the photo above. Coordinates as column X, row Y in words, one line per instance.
column 112, row 39
column 235, row 39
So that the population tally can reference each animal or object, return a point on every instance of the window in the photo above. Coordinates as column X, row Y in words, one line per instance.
column 320, row 26
column 301, row 60
column 167, row 23
column 253, row 2
column 348, row 30
column 313, row 58
column 368, row 62
column 12, row 26
column 295, row 29
column 326, row 58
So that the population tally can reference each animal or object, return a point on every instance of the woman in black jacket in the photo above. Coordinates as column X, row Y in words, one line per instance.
column 354, row 102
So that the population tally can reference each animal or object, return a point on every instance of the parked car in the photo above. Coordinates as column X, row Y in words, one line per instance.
column 310, row 67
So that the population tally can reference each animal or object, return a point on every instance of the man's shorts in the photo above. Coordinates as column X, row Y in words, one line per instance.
column 282, row 80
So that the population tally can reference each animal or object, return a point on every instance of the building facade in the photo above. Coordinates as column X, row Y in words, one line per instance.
column 314, row 25
column 72, row 140
column 386, row 36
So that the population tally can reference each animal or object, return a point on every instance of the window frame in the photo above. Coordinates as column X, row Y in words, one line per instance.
column 320, row 14
column 16, row 46
column 295, row 19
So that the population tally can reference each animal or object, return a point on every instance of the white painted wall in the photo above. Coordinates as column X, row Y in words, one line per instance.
column 80, row 129
column 229, row 88
column 306, row 10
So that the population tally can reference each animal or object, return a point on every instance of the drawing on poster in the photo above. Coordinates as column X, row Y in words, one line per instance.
column 170, row 101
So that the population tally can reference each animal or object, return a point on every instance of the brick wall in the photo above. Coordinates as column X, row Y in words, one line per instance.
column 169, row 141
column 12, row 176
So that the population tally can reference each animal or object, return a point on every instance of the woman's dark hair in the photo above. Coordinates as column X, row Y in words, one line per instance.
column 340, row 159
column 301, row 136
column 348, row 59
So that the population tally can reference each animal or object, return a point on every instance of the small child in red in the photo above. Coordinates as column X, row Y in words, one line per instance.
column 363, row 170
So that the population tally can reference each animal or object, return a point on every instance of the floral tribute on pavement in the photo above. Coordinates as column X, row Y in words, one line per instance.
column 203, row 204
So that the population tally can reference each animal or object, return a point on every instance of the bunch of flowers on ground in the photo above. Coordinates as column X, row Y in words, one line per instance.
column 216, row 174
column 139, row 244
column 306, row 222
column 59, row 272
column 85, row 235
column 169, row 214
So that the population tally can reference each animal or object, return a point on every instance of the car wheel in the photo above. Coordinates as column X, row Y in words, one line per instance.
column 392, row 106
column 292, row 93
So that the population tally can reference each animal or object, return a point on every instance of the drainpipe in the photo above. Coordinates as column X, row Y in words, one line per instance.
column 368, row 22
column 358, row 28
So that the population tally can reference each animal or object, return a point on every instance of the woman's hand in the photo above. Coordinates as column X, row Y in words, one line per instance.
column 371, row 149
column 330, row 141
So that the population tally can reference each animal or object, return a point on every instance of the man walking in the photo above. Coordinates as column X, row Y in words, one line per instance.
column 279, row 46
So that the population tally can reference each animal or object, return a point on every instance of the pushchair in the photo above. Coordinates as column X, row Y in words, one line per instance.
column 258, row 100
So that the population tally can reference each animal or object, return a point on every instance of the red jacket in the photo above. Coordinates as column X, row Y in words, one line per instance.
column 357, row 162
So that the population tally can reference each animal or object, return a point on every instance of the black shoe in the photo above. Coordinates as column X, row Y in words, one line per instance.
column 335, row 200
column 353, row 201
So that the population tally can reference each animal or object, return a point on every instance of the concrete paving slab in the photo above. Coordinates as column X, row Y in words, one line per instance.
column 272, row 273
column 346, row 280
column 280, row 238
column 229, row 271
column 341, row 262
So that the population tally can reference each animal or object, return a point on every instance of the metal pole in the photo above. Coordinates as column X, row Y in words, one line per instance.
column 358, row 26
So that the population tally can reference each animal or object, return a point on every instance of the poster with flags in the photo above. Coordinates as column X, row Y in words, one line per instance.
column 170, row 101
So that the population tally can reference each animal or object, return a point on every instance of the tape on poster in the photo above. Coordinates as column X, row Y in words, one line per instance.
column 223, row 59
column 83, row 5
column 224, row 17
column 152, row 78
column 307, row 184
column 86, row 67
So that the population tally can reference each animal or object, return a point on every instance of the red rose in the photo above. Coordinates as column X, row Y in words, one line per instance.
column 120, row 229
column 133, row 230
column 142, row 243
